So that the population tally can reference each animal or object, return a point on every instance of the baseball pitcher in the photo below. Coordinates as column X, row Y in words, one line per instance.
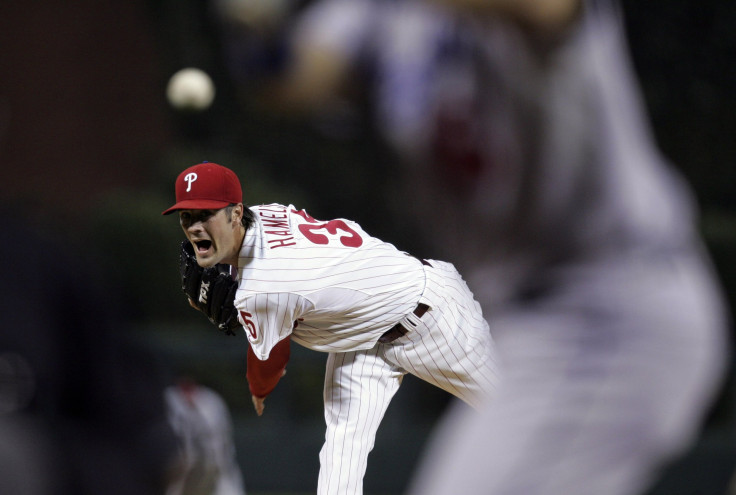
column 281, row 275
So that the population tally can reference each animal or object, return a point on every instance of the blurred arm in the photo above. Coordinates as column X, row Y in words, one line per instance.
column 323, row 50
column 542, row 16
column 316, row 74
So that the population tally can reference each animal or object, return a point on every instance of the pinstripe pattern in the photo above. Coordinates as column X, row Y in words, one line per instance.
column 358, row 388
column 344, row 297
column 331, row 287
column 450, row 348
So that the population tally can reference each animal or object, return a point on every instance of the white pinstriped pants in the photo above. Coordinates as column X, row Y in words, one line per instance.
column 451, row 348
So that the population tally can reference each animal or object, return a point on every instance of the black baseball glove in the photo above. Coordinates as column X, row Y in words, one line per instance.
column 211, row 290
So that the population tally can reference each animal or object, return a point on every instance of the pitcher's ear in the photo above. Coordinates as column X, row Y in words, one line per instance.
column 237, row 217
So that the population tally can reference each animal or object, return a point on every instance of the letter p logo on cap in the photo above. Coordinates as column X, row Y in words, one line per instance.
column 189, row 178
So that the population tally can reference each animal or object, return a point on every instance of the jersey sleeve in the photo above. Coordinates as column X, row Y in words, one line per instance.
column 268, row 319
column 263, row 376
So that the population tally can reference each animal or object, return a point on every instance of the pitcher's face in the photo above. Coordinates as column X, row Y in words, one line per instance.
column 213, row 234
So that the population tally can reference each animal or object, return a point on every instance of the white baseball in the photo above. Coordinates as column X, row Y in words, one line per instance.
column 190, row 89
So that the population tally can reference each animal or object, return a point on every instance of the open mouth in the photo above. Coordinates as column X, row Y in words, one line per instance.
column 203, row 246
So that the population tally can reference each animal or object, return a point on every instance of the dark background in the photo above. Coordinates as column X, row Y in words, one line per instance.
column 89, row 150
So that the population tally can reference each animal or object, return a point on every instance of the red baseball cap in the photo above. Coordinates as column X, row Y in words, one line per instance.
column 207, row 186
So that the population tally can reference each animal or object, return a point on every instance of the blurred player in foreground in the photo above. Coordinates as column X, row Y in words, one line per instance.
column 523, row 133
column 202, row 422
column 329, row 286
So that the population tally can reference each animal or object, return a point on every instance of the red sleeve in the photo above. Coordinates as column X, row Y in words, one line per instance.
column 264, row 375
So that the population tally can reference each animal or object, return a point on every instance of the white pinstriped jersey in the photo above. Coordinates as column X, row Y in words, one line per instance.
column 328, row 284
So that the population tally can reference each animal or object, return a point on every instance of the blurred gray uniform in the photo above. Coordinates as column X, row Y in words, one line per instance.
column 541, row 177
column 202, row 422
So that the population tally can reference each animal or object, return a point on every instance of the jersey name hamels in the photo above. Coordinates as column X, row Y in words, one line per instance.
column 329, row 282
